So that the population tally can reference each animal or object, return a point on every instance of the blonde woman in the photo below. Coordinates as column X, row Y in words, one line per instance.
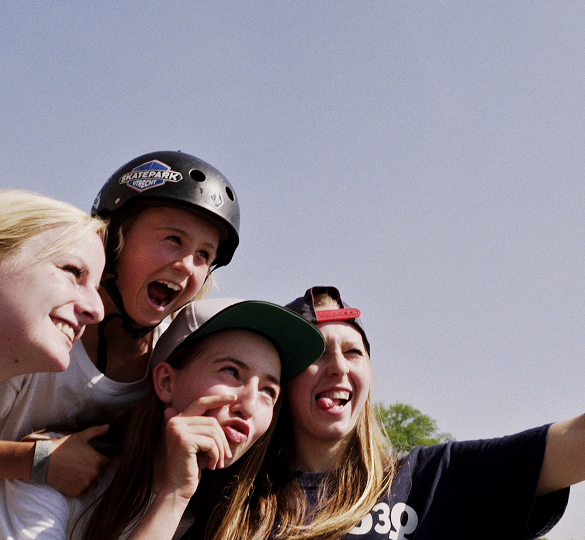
column 330, row 475
column 51, row 262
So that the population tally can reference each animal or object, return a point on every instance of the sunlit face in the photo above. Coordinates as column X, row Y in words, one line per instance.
column 327, row 398
column 233, row 362
column 165, row 260
column 47, row 303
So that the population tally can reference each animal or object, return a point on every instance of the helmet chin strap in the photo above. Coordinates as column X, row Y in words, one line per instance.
column 127, row 323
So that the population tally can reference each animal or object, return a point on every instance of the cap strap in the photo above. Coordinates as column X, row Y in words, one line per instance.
column 337, row 314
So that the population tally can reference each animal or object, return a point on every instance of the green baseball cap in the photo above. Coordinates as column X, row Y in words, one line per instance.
column 298, row 342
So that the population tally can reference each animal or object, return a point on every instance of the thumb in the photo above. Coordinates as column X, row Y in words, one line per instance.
column 93, row 432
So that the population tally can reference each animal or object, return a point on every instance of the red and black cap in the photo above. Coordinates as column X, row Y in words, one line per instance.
column 305, row 307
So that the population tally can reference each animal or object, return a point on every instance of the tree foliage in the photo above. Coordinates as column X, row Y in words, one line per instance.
column 408, row 427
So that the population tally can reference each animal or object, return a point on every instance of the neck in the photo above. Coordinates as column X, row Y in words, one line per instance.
column 127, row 357
column 318, row 456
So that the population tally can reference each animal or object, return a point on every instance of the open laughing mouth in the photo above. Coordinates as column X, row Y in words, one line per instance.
column 331, row 400
column 162, row 293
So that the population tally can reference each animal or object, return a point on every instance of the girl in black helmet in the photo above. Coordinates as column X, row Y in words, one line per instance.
column 173, row 219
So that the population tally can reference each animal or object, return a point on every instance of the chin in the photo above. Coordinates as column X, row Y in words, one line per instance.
column 53, row 363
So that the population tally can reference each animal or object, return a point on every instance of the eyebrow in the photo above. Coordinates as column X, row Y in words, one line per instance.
column 247, row 367
column 182, row 231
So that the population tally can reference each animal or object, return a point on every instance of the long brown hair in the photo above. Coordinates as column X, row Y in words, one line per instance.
column 128, row 497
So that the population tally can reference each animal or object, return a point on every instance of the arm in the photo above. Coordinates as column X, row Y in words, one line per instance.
column 16, row 459
column 193, row 442
column 74, row 465
column 564, row 456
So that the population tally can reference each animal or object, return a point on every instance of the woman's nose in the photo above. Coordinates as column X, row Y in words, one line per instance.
column 337, row 364
column 185, row 264
column 247, row 401
column 90, row 307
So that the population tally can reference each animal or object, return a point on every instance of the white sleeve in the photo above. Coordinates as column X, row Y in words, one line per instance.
column 9, row 390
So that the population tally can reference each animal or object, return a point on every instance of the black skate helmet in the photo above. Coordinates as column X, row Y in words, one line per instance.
column 170, row 179
column 173, row 179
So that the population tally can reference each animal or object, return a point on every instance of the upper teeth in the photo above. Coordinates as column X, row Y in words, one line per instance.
column 171, row 285
column 66, row 329
column 338, row 395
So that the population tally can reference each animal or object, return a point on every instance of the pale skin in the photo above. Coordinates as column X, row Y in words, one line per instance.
column 321, row 427
column 216, row 409
column 47, row 321
column 46, row 304
column 323, row 423
column 167, row 255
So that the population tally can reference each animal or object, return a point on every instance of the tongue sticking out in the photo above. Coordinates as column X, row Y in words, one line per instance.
column 159, row 293
column 328, row 403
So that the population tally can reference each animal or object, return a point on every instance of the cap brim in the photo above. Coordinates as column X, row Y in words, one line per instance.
column 299, row 343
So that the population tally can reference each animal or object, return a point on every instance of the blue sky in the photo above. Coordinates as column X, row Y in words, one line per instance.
column 424, row 157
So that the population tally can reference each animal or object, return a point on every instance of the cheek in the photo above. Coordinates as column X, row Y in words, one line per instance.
column 300, row 404
column 184, row 396
column 299, row 394
column 363, row 382
column 198, row 279
column 263, row 420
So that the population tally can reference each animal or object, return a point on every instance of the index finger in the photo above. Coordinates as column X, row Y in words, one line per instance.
column 207, row 403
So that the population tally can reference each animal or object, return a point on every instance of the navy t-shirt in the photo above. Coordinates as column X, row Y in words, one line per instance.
column 480, row 490
column 463, row 490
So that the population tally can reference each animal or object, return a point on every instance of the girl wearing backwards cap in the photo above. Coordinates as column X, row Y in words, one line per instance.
column 331, row 475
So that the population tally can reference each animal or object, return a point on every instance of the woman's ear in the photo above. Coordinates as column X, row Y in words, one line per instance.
column 162, row 379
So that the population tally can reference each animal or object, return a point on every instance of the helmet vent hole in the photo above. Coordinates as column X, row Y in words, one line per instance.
column 197, row 175
column 230, row 193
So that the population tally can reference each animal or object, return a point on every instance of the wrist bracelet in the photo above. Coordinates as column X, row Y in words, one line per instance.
column 41, row 460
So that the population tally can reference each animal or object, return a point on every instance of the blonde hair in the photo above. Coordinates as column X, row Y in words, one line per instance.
column 25, row 214
column 275, row 506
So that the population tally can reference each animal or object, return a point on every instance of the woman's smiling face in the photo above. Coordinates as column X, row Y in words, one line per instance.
column 46, row 303
column 326, row 399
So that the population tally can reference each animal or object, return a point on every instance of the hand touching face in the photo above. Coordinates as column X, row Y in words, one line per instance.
column 238, row 365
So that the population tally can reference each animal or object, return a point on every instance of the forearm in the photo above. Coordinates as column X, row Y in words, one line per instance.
column 16, row 459
column 162, row 518
column 564, row 457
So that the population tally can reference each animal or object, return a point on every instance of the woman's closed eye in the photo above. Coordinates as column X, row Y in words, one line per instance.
column 77, row 271
column 354, row 353
column 205, row 255
column 175, row 239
